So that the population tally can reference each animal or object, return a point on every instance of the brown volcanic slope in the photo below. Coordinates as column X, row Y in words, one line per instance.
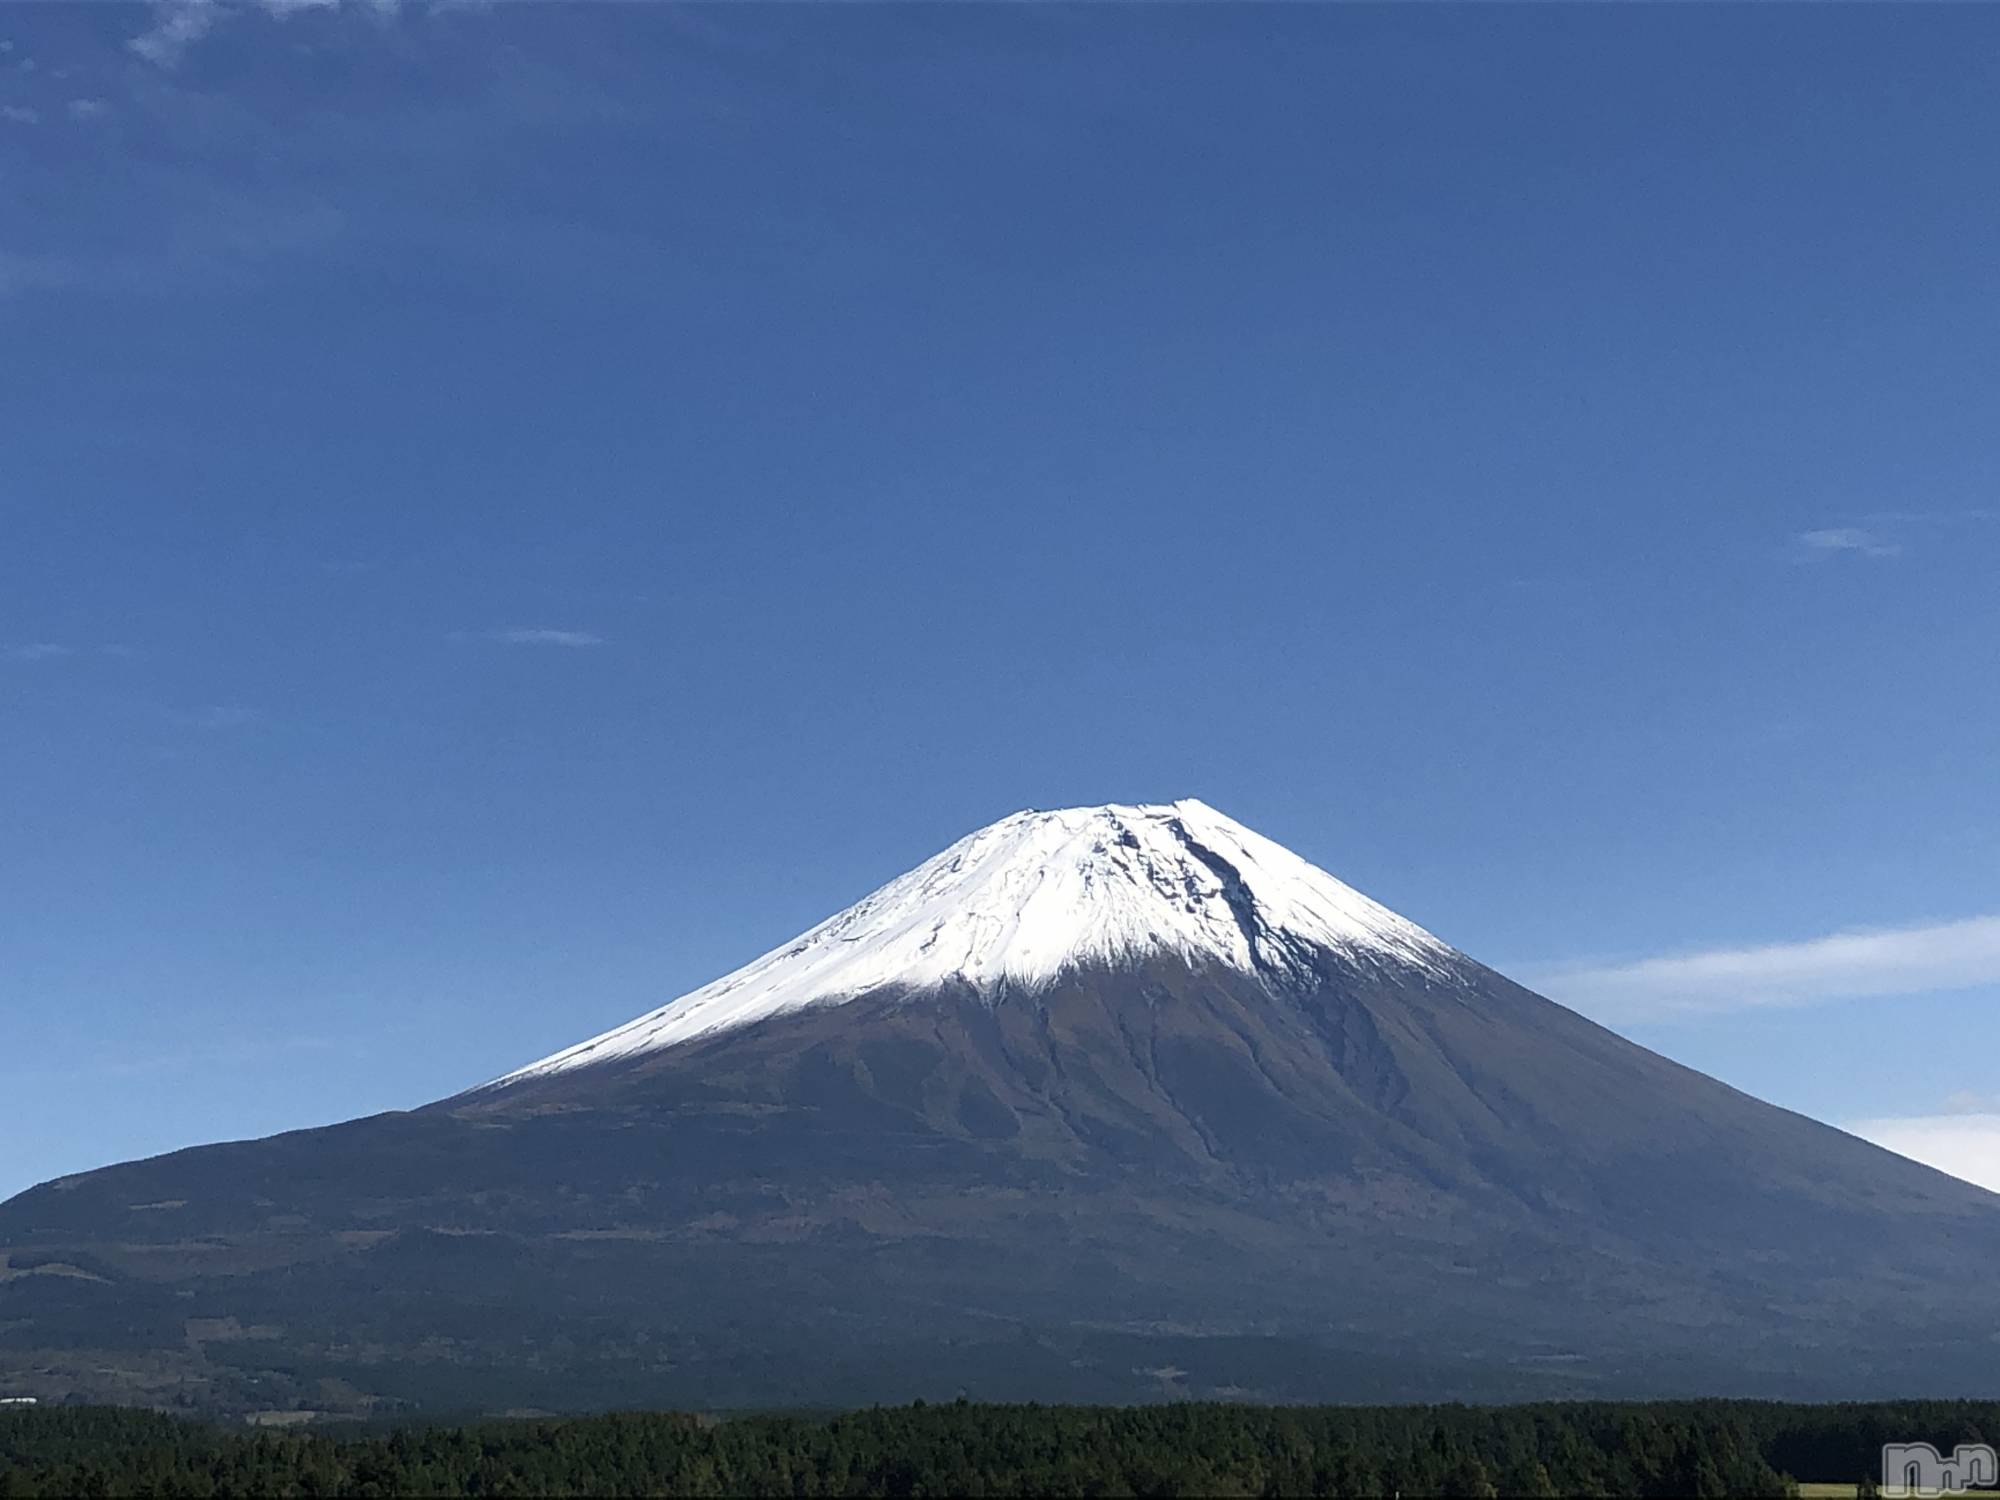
column 1357, row 1179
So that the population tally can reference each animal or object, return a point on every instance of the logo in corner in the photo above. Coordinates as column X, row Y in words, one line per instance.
column 1918, row 1469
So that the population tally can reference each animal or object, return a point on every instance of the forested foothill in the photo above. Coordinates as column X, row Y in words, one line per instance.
column 1695, row 1448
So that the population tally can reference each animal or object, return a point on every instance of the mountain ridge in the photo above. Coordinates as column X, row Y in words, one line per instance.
column 1356, row 1172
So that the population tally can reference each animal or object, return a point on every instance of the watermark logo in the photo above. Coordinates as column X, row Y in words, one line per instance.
column 1910, row 1469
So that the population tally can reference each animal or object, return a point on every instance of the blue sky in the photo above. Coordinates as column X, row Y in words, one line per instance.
column 511, row 511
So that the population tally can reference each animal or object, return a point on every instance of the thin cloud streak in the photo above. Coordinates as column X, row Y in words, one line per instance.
column 1853, row 540
column 1842, row 966
column 526, row 636
column 57, row 651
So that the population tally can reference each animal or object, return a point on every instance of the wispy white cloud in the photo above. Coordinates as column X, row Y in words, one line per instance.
column 535, row 636
column 1853, row 541
column 87, row 109
column 56, row 650
column 20, row 114
column 1965, row 1145
column 177, row 26
column 1841, row 966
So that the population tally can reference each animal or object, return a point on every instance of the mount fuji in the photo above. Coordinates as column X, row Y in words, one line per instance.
column 1102, row 1103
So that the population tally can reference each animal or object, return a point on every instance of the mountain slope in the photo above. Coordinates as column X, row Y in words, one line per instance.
column 1098, row 1103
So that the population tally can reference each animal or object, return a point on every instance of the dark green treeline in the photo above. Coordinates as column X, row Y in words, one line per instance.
column 1656, row 1448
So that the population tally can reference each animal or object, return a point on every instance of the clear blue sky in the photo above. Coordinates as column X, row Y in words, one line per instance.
column 507, row 512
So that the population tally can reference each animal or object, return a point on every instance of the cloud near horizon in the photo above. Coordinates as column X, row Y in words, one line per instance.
column 1965, row 1145
column 1842, row 966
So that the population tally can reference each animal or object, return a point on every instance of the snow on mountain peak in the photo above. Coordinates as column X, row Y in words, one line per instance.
column 1020, row 901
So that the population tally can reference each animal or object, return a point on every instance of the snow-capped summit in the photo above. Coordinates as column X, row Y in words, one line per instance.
column 1024, row 899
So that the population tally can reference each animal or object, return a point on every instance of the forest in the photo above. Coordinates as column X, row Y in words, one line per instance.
column 1568, row 1448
